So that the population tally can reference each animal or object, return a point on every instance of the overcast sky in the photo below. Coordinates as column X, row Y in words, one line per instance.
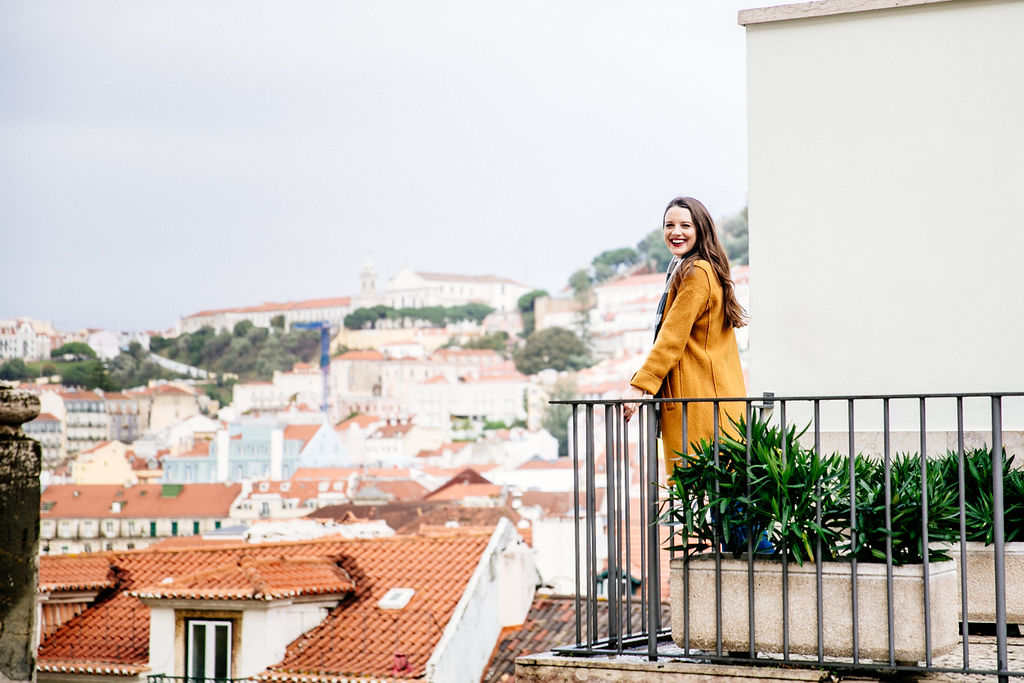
column 157, row 159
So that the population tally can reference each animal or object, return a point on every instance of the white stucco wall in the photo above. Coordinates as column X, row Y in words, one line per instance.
column 498, row 594
column 885, row 156
column 266, row 630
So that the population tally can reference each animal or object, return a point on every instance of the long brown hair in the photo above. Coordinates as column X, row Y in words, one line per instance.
column 709, row 249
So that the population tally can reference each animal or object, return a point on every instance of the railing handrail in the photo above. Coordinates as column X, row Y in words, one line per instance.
column 773, row 398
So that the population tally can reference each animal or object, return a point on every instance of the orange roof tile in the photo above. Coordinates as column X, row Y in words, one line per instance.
column 463, row 491
column 46, row 417
column 356, row 639
column 301, row 433
column 361, row 420
column 361, row 355
column 111, row 638
column 70, row 572
column 62, row 501
column 251, row 578
column 399, row 490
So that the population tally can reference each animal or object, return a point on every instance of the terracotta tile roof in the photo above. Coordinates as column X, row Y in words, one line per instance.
column 444, row 515
column 550, row 623
column 173, row 390
column 253, row 578
column 464, row 491
column 301, row 433
column 289, row 488
column 109, row 638
column 360, row 639
column 62, row 501
column 80, row 396
column 330, row 302
column 361, row 420
column 398, row 489
column 541, row 464
column 436, row 379
column 70, row 572
column 391, row 431
column 465, row 477
column 361, row 355
column 357, row 638
column 46, row 417
column 397, row 514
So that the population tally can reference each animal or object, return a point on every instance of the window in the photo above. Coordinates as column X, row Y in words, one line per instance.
column 152, row 529
column 195, row 527
column 209, row 649
column 174, row 528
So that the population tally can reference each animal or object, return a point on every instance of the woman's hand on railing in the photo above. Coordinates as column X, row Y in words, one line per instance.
column 631, row 393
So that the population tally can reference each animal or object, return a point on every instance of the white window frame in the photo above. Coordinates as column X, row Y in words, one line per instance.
column 209, row 663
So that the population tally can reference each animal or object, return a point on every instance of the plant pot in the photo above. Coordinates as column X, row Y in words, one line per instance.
column 981, row 591
column 873, row 638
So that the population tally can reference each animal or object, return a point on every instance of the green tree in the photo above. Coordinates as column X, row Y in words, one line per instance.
column 526, row 304
column 583, row 292
column 14, row 369
column 241, row 328
column 612, row 261
column 653, row 250
column 48, row 369
column 89, row 374
column 76, row 349
column 277, row 322
column 732, row 232
column 554, row 347
column 556, row 417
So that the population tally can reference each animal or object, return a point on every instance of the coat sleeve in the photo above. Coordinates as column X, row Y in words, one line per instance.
column 691, row 300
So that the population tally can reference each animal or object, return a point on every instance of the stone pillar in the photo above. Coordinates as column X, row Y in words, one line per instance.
column 20, row 459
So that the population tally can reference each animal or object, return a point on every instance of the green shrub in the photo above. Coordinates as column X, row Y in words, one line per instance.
column 795, row 497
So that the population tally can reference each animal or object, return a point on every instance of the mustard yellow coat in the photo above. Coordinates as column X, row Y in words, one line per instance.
column 694, row 356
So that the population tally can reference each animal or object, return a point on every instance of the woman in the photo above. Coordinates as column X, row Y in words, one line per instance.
column 694, row 353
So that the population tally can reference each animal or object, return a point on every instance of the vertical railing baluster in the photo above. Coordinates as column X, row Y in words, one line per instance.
column 820, row 599
column 785, row 544
column 853, row 534
column 653, row 541
column 686, row 557
column 887, row 469
column 924, row 536
column 576, row 509
column 961, row 487
column 623, row 428
column 997, row 534
column 611, row 526
column 751, row 635
column 591, row 531
column 641, row 470
column 719, row 537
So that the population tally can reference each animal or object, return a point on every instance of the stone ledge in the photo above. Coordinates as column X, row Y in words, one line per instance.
column 821, row 8
column 549, row 667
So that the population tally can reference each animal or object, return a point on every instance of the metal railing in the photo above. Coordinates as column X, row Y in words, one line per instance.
column 620, row 536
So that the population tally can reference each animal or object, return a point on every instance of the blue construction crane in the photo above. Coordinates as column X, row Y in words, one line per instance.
column 325, row 355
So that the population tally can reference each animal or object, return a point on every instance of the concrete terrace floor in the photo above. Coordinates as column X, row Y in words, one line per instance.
column 675, row 665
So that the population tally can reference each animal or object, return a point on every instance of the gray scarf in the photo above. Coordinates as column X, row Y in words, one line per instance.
column 669, row 272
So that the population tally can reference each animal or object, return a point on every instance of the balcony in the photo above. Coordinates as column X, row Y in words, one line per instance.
column 761, row 606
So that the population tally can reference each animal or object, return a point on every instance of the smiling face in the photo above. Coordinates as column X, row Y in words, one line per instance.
column 680, row 232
